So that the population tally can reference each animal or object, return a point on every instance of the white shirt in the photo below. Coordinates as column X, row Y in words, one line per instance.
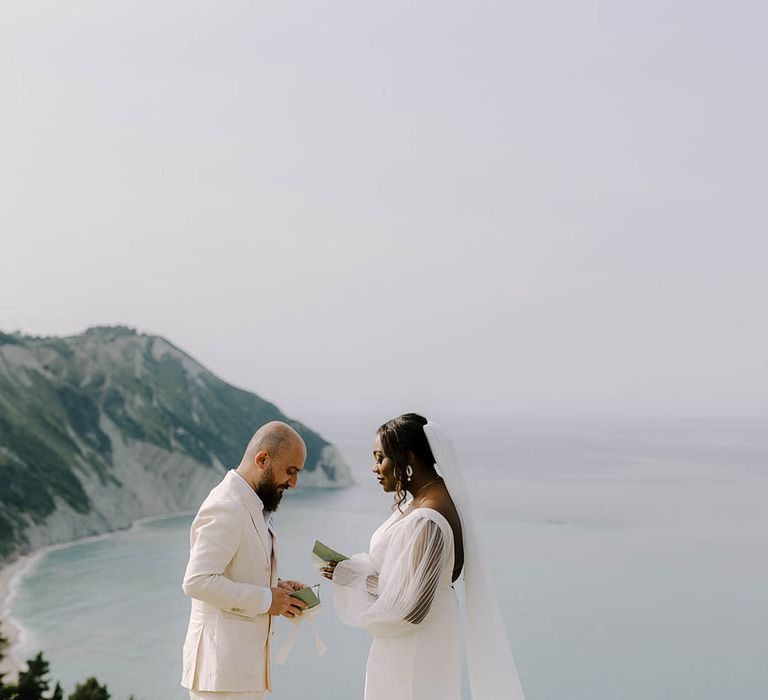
column 267, row 521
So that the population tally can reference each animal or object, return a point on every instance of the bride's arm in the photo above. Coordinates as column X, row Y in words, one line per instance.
column 372, row 580
column 412, row 569
column 427, row 561
column 404, row 588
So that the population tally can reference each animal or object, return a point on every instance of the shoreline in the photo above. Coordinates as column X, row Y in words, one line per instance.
column 10, row 580
column 12, row 575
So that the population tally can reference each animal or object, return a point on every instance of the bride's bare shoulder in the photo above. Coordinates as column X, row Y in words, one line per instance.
column 443, row 504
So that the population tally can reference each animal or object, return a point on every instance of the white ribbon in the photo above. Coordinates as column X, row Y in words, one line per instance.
column 285, row 649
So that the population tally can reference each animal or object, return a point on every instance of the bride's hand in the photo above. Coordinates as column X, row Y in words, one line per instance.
column 328, row 569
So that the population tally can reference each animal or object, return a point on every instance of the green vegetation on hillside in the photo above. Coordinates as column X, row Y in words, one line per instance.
column 61, row 397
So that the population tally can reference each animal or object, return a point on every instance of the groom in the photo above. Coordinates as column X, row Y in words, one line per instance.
column 232, row 572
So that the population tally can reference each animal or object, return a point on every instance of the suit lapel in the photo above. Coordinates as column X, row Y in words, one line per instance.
column 255, row 509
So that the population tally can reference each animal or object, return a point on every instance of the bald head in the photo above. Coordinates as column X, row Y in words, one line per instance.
column 272, row 461
column 274, row 438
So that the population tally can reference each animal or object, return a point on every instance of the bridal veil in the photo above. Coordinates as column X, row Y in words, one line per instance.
column 492, row 671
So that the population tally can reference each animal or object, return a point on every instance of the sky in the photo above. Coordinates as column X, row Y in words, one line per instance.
column 485, row 208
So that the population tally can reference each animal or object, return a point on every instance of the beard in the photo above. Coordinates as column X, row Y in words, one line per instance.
column 269, row 493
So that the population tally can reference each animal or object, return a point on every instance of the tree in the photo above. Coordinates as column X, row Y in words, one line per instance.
column 90, row 690
column 33, row 683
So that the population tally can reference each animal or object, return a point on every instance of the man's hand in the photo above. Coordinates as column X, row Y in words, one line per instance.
column 283, row 604
column 291, row 586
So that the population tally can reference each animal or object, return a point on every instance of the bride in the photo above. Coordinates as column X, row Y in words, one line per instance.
column 401, row 590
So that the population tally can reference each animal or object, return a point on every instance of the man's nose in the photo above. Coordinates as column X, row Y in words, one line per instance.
column 294, row 479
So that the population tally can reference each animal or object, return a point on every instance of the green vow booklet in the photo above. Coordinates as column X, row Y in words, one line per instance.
column 308, row 596
column 325, row 553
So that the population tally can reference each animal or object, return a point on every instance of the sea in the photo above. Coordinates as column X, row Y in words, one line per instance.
column 630, row 558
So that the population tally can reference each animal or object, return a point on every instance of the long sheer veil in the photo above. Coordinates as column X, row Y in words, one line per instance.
column 492, row 671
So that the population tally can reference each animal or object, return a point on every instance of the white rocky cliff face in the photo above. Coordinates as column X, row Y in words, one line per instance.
column 101, row 429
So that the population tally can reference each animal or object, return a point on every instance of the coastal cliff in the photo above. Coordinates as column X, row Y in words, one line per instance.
column 100, row 429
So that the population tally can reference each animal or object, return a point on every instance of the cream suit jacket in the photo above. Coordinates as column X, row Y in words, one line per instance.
column 228, row 577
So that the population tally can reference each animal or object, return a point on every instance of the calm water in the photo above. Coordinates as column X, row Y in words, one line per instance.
column 631, row 560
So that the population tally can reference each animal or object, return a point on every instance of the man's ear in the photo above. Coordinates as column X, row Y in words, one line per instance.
column 261, row 460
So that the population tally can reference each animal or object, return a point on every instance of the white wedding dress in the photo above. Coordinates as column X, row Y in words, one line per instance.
column 401, row 593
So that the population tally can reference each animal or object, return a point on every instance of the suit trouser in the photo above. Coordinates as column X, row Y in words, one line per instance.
column 210, row 695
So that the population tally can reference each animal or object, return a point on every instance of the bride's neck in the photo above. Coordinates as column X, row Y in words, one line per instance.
column 420, row 480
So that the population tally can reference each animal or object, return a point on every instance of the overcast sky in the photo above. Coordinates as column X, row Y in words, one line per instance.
column 481, row 207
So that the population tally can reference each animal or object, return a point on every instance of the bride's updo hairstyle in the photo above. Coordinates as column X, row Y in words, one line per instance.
column 400, row 436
